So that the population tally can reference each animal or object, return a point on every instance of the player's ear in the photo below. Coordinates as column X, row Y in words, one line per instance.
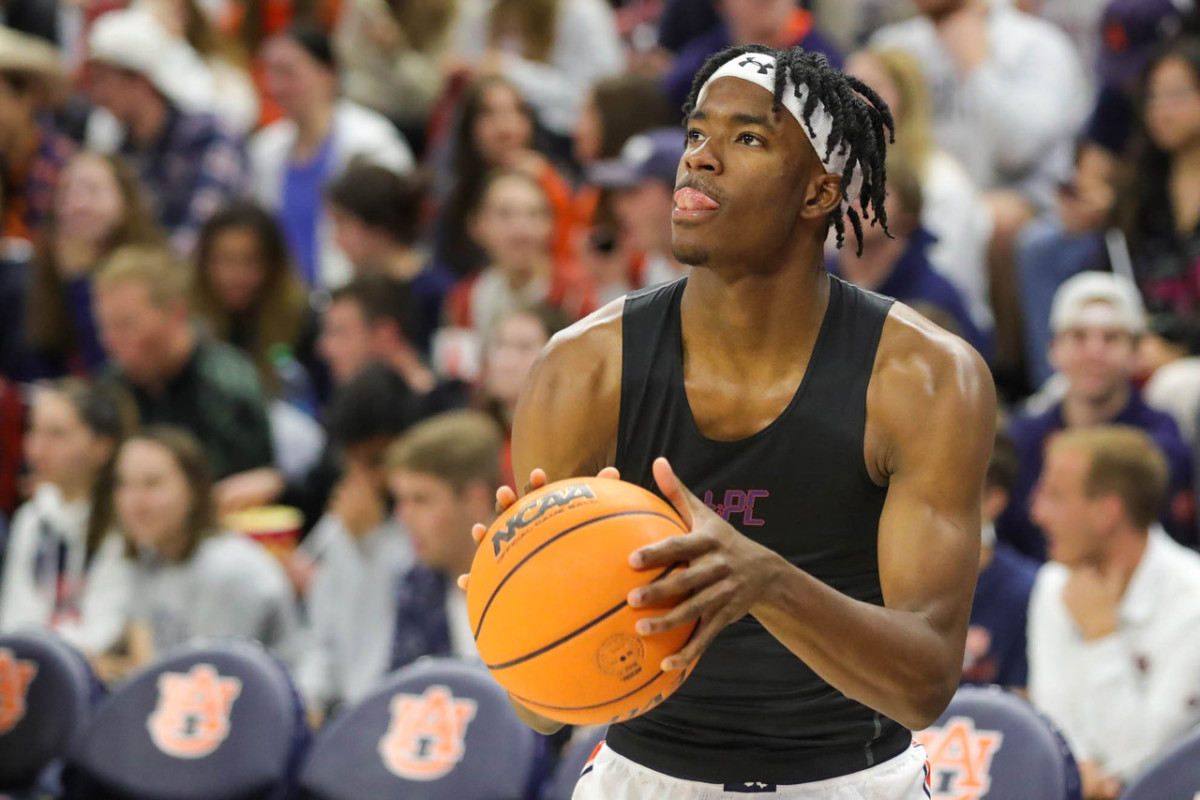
column 823, row 196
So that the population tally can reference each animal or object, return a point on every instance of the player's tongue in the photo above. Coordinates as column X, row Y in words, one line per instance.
column 693, row 200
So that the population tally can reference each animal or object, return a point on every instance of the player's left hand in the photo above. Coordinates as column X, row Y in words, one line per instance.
column 726, row 573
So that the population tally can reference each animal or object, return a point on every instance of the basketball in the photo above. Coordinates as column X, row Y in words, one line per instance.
column 547, row 601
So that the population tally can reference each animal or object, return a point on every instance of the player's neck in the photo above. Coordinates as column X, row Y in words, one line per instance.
column 775, row 313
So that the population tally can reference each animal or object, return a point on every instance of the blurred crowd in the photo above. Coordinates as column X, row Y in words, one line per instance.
column 273, row 273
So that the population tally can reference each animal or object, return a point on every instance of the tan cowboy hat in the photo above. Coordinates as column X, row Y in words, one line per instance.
column 20, row 52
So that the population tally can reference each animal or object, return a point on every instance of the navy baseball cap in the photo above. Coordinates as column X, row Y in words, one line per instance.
column 653, row 155
column 1131, row 30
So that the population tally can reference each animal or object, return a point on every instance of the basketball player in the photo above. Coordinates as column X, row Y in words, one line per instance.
column 826, row 447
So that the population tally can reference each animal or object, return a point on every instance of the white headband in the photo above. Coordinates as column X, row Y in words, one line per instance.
column 759, row 69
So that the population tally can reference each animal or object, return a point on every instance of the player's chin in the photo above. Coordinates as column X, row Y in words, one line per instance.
column 689, row 248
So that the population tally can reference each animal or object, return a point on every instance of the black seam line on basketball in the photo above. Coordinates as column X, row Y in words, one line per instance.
column 548, row 542
column 630, row 693
column 578, row 630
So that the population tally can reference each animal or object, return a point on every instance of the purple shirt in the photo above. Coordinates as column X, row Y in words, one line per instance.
column 1030, row 434
column 999, row 615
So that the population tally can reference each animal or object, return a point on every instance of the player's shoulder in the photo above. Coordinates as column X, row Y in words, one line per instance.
column 916, row 353
column 584, row 359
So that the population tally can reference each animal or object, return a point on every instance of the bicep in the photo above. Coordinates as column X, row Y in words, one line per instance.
column 566, row 420
column 942, row 429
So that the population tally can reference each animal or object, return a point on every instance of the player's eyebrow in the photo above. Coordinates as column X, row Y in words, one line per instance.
column 756, row 120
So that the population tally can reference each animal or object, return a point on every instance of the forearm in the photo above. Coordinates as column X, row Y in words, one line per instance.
column 540, row 724
column 891, row 660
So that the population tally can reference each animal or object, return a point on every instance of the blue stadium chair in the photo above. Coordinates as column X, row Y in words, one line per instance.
column 434, row 730
column 47, row 690
column 214, row 721
column 1175, row 776
column 992, row 745
column 583, row 743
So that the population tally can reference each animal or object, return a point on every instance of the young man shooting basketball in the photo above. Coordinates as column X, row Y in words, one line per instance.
column 838, row 441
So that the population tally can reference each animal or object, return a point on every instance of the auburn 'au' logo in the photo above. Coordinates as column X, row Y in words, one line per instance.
column 192, row 716
column 960, row 758
column 427, row 735
column 15, row 678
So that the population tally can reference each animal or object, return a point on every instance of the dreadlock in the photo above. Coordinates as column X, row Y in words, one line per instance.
column 861, row 121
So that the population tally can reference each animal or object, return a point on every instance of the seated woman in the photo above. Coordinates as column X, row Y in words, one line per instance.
column 245, row 290
column 98, row 208
column 193, row 580
column 514, row 227
column 494, row 130
column 64, row 568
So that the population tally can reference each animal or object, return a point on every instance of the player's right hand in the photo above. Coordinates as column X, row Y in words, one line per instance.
column 506, row 496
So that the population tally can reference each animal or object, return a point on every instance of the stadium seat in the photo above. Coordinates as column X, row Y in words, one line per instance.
column 992, row 745
column 583, row 743
column 47, row 691
column 1175, row 776
column 436, row 729
column 220, row 721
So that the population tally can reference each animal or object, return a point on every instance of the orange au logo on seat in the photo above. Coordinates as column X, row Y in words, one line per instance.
column 960, row 758
column 192, row 716
column 15, row 678
column 427, row 735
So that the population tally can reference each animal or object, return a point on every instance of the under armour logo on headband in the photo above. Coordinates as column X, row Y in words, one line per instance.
column 762, row 68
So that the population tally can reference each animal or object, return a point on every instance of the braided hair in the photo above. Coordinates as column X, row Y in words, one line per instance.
column 861, row 121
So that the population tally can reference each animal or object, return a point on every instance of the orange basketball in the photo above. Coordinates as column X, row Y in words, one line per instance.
column 547, row 601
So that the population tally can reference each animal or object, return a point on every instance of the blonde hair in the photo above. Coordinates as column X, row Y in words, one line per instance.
column 458, row 447
column 914, row 125
column 533, row 22
column 1122, row 461
column 149, row 265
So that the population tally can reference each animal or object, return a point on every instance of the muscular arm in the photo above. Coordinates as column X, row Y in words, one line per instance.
column 931, row 412
column 566, row 418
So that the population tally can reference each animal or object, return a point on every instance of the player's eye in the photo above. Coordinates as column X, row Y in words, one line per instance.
column 749, row 139
column 694, row 135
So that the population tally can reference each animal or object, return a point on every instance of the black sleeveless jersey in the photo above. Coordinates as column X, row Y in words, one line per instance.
column 751, row 710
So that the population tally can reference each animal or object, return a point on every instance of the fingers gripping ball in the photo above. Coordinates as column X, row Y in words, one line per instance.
column 547, row 601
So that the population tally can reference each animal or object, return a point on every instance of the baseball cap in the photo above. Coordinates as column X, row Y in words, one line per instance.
column 134, row 39
column 1073, row 298
column 653, row 155
column 1130, row 32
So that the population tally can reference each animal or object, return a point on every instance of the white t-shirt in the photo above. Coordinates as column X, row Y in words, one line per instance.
column 1123, row 699
column 1012, row 120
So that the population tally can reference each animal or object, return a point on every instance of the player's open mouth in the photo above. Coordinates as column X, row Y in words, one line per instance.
column 693, row 204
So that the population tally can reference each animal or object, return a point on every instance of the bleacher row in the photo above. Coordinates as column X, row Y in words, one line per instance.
column 223, row 721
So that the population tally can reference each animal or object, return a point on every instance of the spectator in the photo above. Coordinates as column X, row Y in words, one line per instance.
column 1009, row 95
column 391, row 53
column 245, row 290
column 235, row 99
column 294, row 158
column 205, row 387
column 98, row 208
column 642, row 182
column 444, row 474
column 192, row 579
column 64, row 568
column 777, row 23
column 358, row 548
column 32, row 152
column 16, row 360
column 551, row 50
column 514, row 226
column 509, row 356
column 187, row 162
column 494, row 131
column 898, row 265
column 953, row 210
column 1114, row 623
column 615, row 109
column 375, row 215
column 1052, row 249
column 1159, row 205
column 1097, row 319
column 996, row 640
